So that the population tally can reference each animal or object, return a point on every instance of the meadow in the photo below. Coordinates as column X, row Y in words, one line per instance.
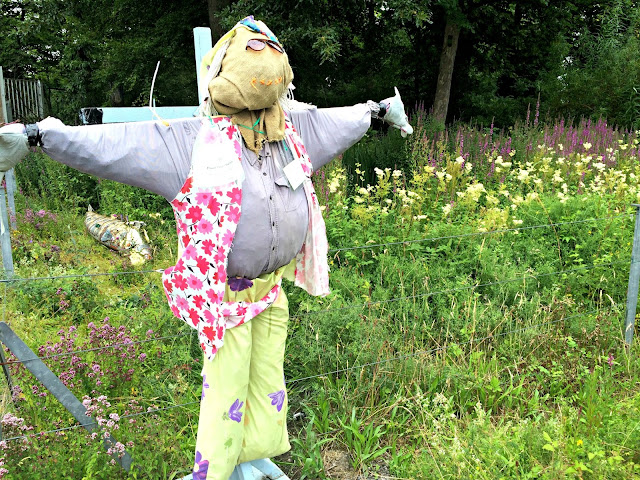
column 474, row 329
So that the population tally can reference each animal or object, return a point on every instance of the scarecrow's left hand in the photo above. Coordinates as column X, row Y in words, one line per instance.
column 395, row 115
column 14, row 146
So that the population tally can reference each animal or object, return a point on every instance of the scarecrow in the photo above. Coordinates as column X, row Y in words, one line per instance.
column 238, row 179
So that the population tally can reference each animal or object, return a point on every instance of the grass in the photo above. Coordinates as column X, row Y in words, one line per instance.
column 444, row 351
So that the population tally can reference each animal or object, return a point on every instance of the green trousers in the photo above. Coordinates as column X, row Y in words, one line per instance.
column 244, row 402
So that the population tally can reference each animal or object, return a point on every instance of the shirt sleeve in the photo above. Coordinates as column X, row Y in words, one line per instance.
column 328, row 132
column 143, row 154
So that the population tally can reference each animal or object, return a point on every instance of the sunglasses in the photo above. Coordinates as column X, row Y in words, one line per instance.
column 257, row 44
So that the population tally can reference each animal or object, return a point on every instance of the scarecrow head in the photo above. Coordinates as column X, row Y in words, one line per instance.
column 253, row 69
column 248, row 77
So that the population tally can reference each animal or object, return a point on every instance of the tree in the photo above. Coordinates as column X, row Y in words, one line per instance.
column 215, row 7
column 102, row 52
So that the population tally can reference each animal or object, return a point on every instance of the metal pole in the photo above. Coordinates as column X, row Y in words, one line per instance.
column 39, row 370
column 634, row 280
column 10, row 178
column 5, row 236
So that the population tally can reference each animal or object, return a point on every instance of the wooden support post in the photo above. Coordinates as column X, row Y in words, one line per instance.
column 202, row 44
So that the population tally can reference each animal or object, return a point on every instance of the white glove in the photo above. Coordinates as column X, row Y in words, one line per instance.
column 395, row 115
column 14, row 146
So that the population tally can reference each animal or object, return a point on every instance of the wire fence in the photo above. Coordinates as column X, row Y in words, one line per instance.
column 338, row 371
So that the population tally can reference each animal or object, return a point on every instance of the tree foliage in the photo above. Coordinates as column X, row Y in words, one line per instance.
column 102, row 52
column 579, row 57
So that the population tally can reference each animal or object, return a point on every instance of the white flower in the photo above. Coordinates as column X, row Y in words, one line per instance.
column 517, row 221
column 459, row 160
column 446, row 209
column 587, row 145
column 378, row 172
column 396, row 174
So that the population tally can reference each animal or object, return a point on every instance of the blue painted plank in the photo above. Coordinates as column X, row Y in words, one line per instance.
column 141, row 114
column 202, row 45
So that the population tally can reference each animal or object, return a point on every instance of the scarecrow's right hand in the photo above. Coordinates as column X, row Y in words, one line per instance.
column 14, row 145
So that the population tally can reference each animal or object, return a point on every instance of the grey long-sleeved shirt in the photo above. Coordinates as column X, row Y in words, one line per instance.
column 153, row 156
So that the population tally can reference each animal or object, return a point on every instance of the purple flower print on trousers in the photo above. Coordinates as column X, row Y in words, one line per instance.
column 204, row 385
column 234, row 412
column 277, row 399
column 202, row 468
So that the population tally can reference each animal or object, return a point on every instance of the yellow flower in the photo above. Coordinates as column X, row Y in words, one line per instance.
column 579, row 443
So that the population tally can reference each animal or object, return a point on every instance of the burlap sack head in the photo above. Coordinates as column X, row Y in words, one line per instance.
column 249, row 79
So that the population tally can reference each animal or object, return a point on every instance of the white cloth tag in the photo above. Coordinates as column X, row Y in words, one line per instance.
column 294, row 173
column 214, row 163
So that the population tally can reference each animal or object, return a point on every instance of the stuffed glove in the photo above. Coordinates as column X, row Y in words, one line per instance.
column 394, row 114
column 14, row 146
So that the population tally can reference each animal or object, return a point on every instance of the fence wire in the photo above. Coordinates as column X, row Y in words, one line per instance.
column 473, row 234
column 332, row 310
column 333, row 372
column 368, row 304
column 457, row 289
column 336, row 250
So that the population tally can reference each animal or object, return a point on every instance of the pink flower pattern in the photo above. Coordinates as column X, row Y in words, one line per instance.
column 197, row 300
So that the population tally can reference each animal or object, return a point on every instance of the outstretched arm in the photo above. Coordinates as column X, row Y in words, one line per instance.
column 328, row 132
column 144, row 154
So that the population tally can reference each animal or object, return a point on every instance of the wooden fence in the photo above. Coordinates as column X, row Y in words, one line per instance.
column 24, row 100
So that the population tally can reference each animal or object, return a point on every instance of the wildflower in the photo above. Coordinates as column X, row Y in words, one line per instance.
column 587, row 145
column 459, row 160
column 378, row 172
column 446, row 209
column 396, row 174
column 579, row 443
column 610, row 360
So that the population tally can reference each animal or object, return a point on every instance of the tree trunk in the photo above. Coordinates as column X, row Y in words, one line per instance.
column 445, row 74
column 214, row 21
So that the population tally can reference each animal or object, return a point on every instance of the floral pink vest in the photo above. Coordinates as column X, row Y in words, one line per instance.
column 207, row 216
